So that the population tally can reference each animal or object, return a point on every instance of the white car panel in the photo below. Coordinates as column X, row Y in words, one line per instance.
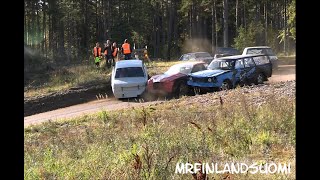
column 127, row 87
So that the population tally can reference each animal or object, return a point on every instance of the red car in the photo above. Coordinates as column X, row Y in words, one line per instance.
column 174, row 81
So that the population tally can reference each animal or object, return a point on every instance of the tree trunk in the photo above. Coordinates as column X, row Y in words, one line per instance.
column 44, row 32
column 25, row 24
column 216, row 21
column 225, row 23
column 97, row 25
column 212, row 31
column 237, row 7
column 285, row 28
column 175, row 27
column 170, row 24
column 244, row 15
column 39, row 32
column 266, row 23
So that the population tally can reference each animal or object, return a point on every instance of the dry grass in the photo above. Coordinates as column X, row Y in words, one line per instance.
column 146, row 143
column 46, row 82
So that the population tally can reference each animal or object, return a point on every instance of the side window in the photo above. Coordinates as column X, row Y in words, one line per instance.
column 248, row 62
column 260, row 60
column 185, row 57
column 239, row 64
column 192, row 57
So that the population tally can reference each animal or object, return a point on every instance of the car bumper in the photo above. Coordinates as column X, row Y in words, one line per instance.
column 202, row 84
column 121, row 92
column 160, row 88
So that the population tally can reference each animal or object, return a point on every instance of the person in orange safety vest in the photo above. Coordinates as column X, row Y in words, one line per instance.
column 126, row 49
column 97, row 54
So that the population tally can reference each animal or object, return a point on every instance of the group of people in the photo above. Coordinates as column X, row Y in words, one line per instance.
column 110, row 52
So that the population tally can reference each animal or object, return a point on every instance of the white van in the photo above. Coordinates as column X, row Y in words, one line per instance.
column 263, row 50
column 129, row 78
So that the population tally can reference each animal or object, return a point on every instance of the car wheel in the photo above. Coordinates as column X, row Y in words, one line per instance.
column 226, row 85
column 260, row 78
column 183, row 89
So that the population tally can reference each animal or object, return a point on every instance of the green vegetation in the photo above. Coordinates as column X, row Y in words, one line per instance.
column 147, row 142
column 65, row 31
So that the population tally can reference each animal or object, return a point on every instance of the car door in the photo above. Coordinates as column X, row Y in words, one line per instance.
column 238, row 73
column 249, row 70
column 263, row 65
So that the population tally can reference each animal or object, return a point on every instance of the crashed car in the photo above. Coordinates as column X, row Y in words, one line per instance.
column 174, row 80
column 129, row 79
column 197, row 56
column 263, row 50
column 228, row 72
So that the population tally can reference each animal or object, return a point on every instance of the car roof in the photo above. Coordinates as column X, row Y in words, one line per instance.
column 129, row 63
column 190, row 63
column 256, row 47
column 239, row 56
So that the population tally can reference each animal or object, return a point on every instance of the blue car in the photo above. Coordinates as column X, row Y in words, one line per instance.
column 228, row 72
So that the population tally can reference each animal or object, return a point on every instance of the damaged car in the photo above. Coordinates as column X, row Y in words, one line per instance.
column 228, row 72
column 129, row 79
column 174, row 81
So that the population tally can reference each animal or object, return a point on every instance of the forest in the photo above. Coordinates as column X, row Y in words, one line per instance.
column 65, row 31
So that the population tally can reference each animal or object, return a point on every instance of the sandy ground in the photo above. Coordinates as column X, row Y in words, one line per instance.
column 283, row 73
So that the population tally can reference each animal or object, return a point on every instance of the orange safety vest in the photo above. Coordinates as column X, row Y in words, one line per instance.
column 97, row 53
column 105, row 52
column 126, row 48
column 115, row 51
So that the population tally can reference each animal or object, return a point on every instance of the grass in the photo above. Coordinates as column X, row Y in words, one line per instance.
column 46, row 82
column 147, row 142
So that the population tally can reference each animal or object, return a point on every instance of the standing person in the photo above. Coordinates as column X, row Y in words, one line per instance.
column 126, row 49
column 108, row 53
column 114, row 52
column 97, row 54
column 145, row 55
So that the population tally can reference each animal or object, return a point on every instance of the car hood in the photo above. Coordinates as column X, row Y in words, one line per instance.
column 127, row 82
column 209, row 73
column 166, row 77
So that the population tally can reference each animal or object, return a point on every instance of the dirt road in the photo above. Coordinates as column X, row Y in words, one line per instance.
column 283, row 73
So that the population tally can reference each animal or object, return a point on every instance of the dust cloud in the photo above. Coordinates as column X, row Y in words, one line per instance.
column 197, row 45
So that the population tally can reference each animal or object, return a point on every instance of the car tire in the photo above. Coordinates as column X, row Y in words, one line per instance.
column 226, row 85
column 183, row 89
column 260, row 79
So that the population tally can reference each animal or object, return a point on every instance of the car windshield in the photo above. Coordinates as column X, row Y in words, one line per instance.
column 202, row 55
column 178, row 68
column 267, row 51
column 129, row 72
column 221, row 64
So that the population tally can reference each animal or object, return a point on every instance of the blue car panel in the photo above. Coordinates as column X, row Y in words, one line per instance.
column 249, row 67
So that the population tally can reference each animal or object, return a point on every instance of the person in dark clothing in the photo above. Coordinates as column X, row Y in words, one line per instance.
column 126, row 49
column 108, row 53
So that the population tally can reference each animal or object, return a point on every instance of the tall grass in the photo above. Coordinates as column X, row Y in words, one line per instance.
column 147, row 142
